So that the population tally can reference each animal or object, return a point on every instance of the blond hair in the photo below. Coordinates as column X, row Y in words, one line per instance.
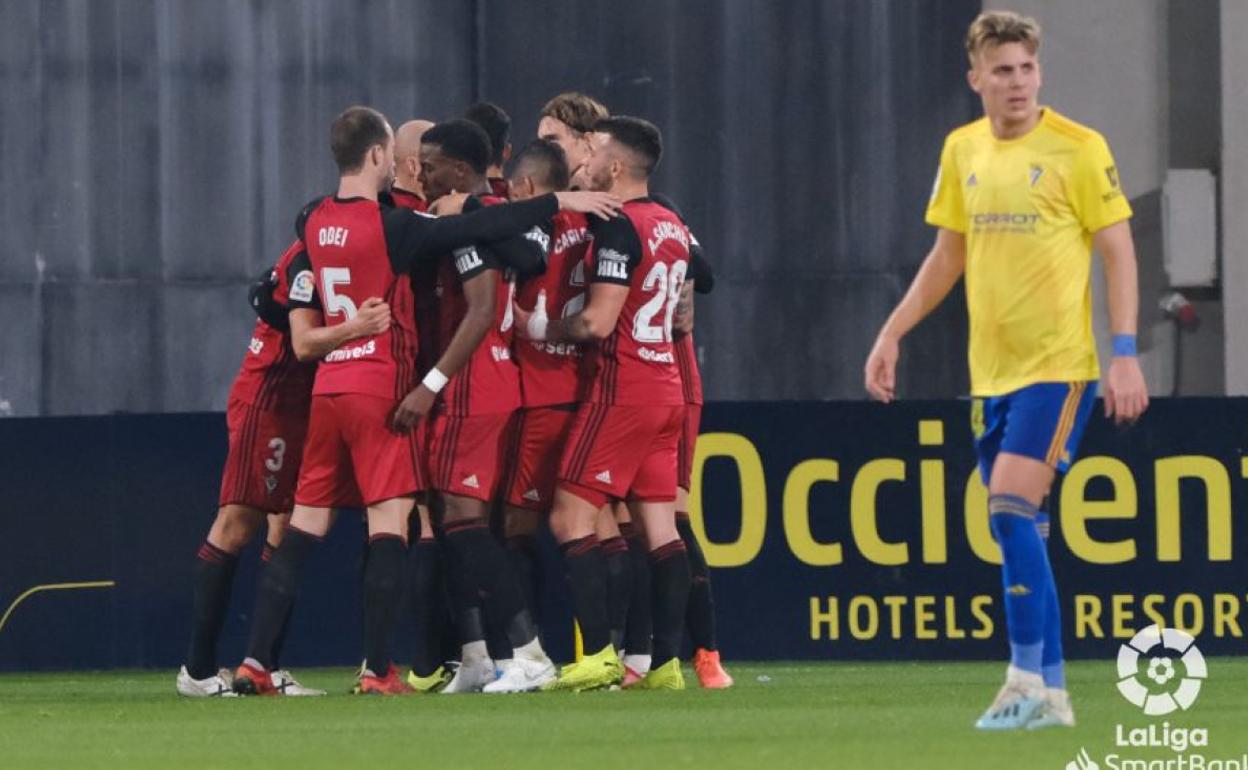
column 993, row 28
column 576, row 110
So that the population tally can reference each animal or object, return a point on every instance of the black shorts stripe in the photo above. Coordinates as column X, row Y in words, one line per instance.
column 593, row 424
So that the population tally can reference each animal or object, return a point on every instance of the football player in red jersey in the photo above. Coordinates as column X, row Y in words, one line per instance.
column 624, row 439
column 549, row 372
column 470, row 427
column 568, row 120
column 267, row 416
column 496, row 124
column 359, row 445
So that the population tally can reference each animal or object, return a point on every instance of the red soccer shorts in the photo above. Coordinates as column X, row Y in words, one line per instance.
column 542, row 433
column 466, row 453
column 263, row 463
column 352, row 456
column 622, row 452
column 688, row 442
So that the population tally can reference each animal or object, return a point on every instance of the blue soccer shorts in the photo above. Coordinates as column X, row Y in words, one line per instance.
column 1044, row 421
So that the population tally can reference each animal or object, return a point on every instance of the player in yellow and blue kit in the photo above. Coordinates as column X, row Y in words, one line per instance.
column 1022, row 196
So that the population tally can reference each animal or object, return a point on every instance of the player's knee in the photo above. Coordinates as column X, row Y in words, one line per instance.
column 234, row 527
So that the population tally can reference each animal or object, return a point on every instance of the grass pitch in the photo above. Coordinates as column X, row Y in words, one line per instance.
column 888, row 715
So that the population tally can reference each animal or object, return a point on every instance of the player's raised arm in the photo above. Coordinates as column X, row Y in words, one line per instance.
column 940, row 271
column 1126, row 394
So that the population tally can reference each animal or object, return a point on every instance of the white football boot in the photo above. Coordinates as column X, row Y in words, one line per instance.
column 523, row 675
column 1018, row 700
column 286, row 684
column 471, row 676
column 1056, row 711
column 219, row 685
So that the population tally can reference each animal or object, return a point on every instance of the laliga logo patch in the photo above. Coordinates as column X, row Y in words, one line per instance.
column 1151, row 685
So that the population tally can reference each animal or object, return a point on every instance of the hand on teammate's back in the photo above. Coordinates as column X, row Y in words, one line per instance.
column 412, row 408
column 601, row 204
column 1126, row 394
column 880, row 373
column 373, row 317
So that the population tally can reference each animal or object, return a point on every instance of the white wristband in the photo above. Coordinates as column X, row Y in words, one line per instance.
column 434, row 380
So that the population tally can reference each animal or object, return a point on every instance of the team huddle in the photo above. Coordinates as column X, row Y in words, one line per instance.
column 464, row 356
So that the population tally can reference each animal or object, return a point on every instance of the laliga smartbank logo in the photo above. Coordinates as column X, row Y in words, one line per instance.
column 1160, row 671
column 1148, row 670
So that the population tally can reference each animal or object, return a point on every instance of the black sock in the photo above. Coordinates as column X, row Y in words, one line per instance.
column 487, row 568
column 700, row 617
column 526, row 568
column 275, row 594
column 383, row 593
column 587, row 577
column 619, row 585
column 639, row 627
column 266, row 555
column 670, row 565
column 214, row 579
column 427, row 604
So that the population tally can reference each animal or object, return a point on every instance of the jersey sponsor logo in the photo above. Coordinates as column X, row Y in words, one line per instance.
column 303, row 286
column 604, row 477
column 500, row 352
column 471, row 482
column 255, row 346
column 1036, row 173
column 564, row 349
column 467, row 260
column 347, row 354
column 1018, row 223
column 971, row 181
column 532, row 496
column 332, row 236
column 569, row 238
column 667, row 231
column 646, row 354
column 612, row 264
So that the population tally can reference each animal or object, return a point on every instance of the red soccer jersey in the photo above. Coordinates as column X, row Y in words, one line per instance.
column 647, row 249
column 408, row 200
column 271, row 376
column 490, row 382
column 549, row 370
column 349, row 261
column 690, row 376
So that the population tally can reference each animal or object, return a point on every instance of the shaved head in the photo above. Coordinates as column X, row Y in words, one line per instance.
column 407, row 138
column 407, row 155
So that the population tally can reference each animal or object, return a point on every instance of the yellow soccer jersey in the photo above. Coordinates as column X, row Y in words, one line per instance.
column 1028, row 208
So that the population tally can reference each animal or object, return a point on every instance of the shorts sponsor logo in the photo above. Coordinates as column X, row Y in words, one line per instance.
column 347, row 354
column 646, row 354
column 604, row 477
column 301, row 289
column 270, row 483
column 532, row 496
column 471, row 482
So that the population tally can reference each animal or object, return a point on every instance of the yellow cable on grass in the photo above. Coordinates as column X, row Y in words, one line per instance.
column 52, row 587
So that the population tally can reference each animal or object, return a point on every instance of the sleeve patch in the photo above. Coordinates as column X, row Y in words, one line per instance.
column 612, row 264
column 540, row 237
column 303, row 286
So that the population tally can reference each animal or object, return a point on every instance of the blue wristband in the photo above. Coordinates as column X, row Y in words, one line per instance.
column 1124, row 345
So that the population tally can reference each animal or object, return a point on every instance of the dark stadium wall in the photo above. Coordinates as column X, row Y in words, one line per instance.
column 155, row 154
column 836, row 531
